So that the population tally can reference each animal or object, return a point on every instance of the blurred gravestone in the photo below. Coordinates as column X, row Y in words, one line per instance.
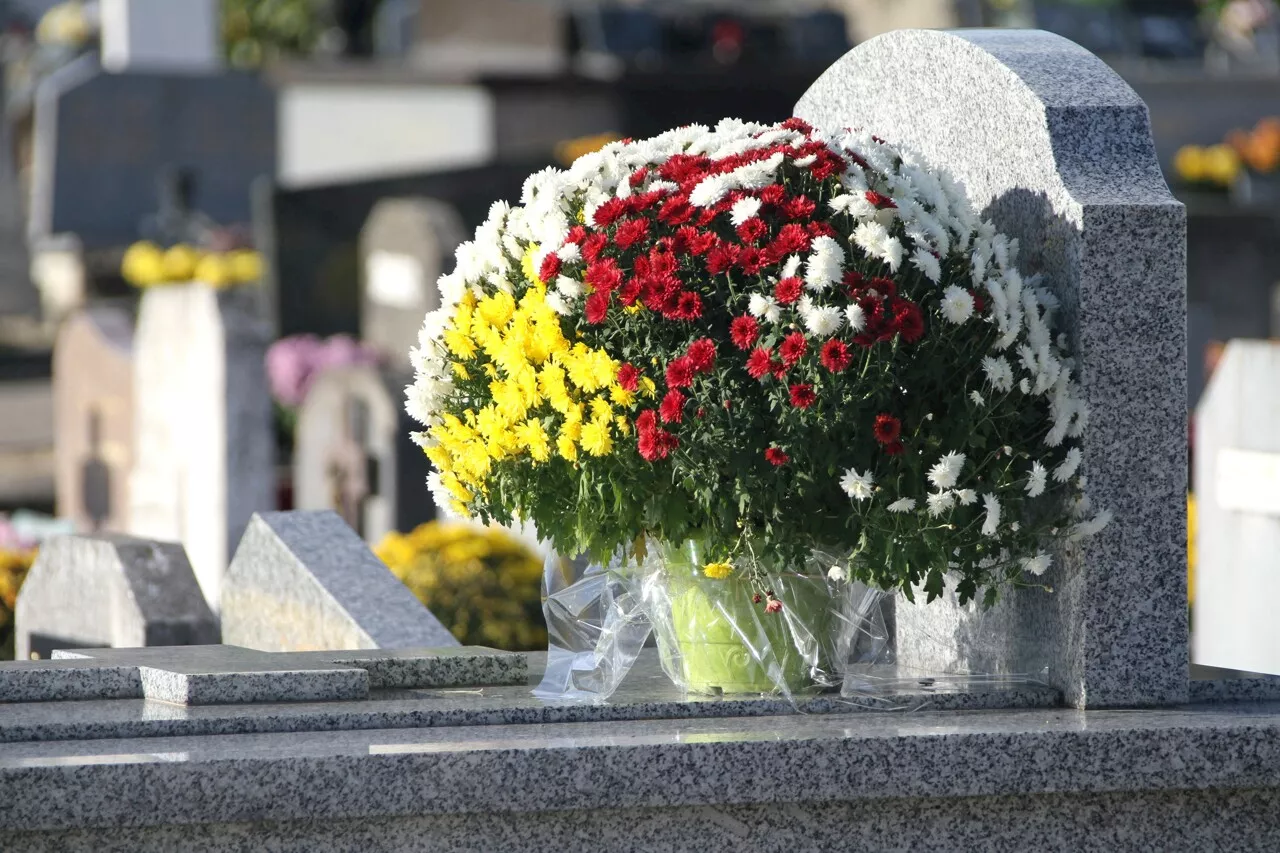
column 202, row 423
column 173, row 36
column 93, row 591
column 405, row 246
column 101, row 139
column 303, row 581
column 93, row 417
column 1237, row 487
column 352, row 454
column 17, row 296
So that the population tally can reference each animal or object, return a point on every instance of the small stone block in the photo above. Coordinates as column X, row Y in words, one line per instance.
column 235, row 686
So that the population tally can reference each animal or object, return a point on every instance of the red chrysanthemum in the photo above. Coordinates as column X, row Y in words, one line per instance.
column 744, row 331
column 550, row 268
column 604, row 275
column 760, row 363
column 751, row 260
column 752, row 230
column 798, row 124
column 793, row 348
column 803, row 396
column 821, row 229
column 597, row 307
column 887, row 288
column 608, row 213
column 688, row 307
column 791, row 239
column 680, row 372
column 631, row 232
column 721, row 257
column 592, row 246
column 887, row 428
column 894, row 448
column 702, row 354
column 909, row 321
column 776, row 457
column 646, row 421
column 638, row 176
column 675, row 211
column 577, row 234
column 788, row 290
column 979, row 304
column 853, row 282
column 835, row 356
column 672, row 409
column 880, row 201
column 799, row 207
column 629, row 377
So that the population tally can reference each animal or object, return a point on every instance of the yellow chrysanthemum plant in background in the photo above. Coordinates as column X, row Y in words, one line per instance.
column 483, row 584
column 146, row 264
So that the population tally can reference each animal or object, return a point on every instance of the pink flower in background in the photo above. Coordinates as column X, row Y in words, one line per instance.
column 294, row 363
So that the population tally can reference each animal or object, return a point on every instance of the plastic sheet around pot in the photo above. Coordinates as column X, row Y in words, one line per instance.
column 711, row 636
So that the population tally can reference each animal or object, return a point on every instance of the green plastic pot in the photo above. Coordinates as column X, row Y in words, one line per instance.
column 712, row 656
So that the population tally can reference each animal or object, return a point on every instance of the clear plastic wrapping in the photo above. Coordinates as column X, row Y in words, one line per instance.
column 711, row 638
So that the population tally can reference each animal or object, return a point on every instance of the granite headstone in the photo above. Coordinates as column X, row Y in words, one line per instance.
column 304, row 581
column 404, row 248
column 93, row 417
column 202, row 423
column 1237, row 487
column 110, row 590
column 1056, row 150
column 353, row 455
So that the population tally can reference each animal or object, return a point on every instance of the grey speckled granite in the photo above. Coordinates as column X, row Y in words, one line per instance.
column 110, row 591
column 304, row 581
column 1056, row 149
column 228, row 675
column 646, row 694
column 1172, row 822
column 766, row 761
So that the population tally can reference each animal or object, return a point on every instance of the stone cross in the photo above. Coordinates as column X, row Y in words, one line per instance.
column 93, row 417
column 303, row 581
column 202, row 411
column 404, row 247
column 1056, row 149
column 352, row 454
column 86, row 591
column 1237, row 488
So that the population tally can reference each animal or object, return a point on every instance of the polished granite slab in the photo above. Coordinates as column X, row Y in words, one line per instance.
column 635, row 764
column 646, row 694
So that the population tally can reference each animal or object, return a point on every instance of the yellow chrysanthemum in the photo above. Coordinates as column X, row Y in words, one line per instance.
column 460, row 344
column 597, row 438
column 647, row 387
column 624, row 425
column 455, row 487
column 621, row 396
column 497, row 308
column 717, row 571
column 527, row 267
column 534, row 439
column 600, row 409
column 460, row 371
column 566, row 447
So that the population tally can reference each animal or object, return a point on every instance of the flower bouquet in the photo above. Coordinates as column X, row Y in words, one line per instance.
column 756, row 371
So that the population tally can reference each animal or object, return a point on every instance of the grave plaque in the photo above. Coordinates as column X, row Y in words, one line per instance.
column 202, row 423
column 1056, row 150
column 93, row 417
column 101, row 140
column 405, row 246
column 110, row 590
column 303, row 581
column 1237, row 487
column 352, row 454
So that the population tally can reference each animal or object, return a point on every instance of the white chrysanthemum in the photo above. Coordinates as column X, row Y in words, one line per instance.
column 569, row 252
column 1092, row 527
column 857, row 318
column 977, row 399
column 743, row 209
column 790, row 266
column 871, row 238
column 925, row 261
column 945, row 474
column 1036, row 480
column 939, row 503
column 569, row 288
column 1067, row 469
column 764, row 307
column 903, row 505
column 443, row 497
column 966, row 497
column 710, row 191
column 806, row 161
column 823, row 322
column 957, row 305
column 992, row 522
column 559, row 304
column 854, row 204
column 857, row 486
column 1037, row 565
column 825, row 264
column 1024, row 386
column 999, row 373
column 837, row 574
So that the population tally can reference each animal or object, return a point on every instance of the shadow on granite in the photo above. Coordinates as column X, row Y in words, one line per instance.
column 645, row 695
